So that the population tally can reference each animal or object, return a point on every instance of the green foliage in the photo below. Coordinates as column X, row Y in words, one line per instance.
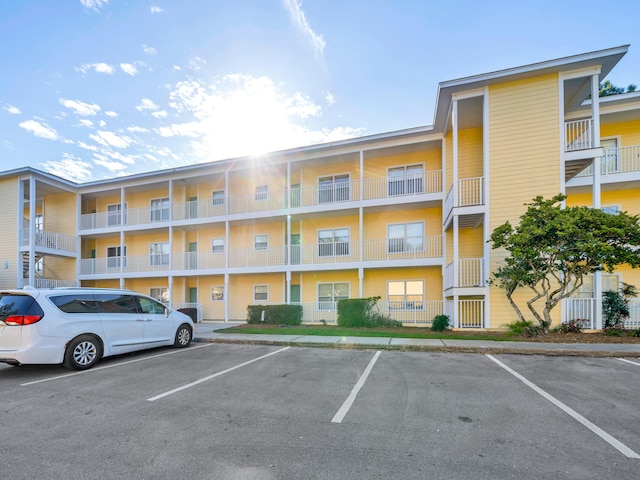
column 440, row 323
column 275, row 314
column 362, row 312
column 527, row 328
column 607, row 88
column 614, row 332
column 635, row 332
column 572, row 326
column 553, row 248
column 614, row 309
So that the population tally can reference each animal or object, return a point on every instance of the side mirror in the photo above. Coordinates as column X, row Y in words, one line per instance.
column 166, row 312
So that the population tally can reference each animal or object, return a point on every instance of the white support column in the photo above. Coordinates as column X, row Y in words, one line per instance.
column 486, row 273
column 456, row 260
column 361, row 175
column 360, row 282
column 123, row 214
column 20, row 225
column 456, row 311
column 361, row 233
column 33, row 201
column 454, row 178
column 226, row 297
column 595, row 111
column 78, row 240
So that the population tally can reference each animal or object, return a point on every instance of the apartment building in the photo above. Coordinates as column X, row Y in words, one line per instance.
column 403, row 215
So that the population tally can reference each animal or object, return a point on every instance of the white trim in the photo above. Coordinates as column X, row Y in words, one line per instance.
column 254, row 292
column 254, row 242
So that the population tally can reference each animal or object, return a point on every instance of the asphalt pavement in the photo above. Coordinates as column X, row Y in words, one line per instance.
column 208, row 332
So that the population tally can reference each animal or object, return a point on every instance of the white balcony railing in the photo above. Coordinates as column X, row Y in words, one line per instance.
column 421, row 312
column 470, row 192
column 52, row 240
column 579, row 135
column 470, row 273
column 616, row 160
column 402, row 248
column 313, row 196
column 471, row 313
column 583, row 309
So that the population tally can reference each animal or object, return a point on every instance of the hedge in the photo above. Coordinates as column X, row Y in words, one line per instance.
column 275, row 314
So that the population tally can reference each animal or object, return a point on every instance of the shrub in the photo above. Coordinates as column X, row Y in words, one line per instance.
column 635, row 332
column 362, row 312
column 440, row 323
column 519, row 328
column 275, row 314
column 572, row 326
column 614, row 332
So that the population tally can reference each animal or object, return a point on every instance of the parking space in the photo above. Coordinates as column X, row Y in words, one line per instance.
column 251, row 411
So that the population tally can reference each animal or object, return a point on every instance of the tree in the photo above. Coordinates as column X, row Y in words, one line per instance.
column 607, row 88
column 554, row 248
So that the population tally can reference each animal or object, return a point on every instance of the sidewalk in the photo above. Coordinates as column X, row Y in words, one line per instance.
column 206, row 332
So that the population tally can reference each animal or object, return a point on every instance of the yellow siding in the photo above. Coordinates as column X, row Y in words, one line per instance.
column 378, row 167
column 524, row 139
column 628, row 131
column 375, row 224
column 60, row 213
column 243, row 236
column 471, row 243
column 9, row 237
column 310, row 280
column 470, row 153
column 311, row 227
column 375, row 281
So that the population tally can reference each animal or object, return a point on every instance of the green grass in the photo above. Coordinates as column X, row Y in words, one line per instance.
column 330, row 330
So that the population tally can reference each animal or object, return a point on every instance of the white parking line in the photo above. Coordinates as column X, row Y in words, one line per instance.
column 621, row 447
column 344, row 409
column 95, row 369
column 189, row 385
column 629, row 361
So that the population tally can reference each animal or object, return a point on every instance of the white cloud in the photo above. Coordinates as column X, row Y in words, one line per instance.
column 97, row 67
column 159, row 114
column 149, row 50
column 111, row 114
column 70, row 167
column 136, row 129
column 146, row 104
column 110, row 165
column 156, row 9
column 299, row 19
column 196, row 63
column 330, row 98
column 94, row 4
column 129, row 68
column 86, row 146
column 84, row 122
column 39, row 129
column 12, row 110
column 80, row 108
column 110, row 139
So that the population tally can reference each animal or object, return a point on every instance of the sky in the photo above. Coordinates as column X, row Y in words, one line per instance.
column 96, row 89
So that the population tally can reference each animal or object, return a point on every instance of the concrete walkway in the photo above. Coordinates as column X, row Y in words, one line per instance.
column 206, row 332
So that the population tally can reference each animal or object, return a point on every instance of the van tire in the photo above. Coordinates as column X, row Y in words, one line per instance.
column 82, row 352
column 183, row 336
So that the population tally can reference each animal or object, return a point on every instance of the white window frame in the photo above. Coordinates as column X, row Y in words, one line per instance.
column 164, row 294
column 406, row 183
column 162, row 259
column 219, row 199
column 220, row 291
column 405, row 304
column 255, row 242
column 334, row 192
column 610, row 164
column 214, row 246
column 255, row 293
column 160, row 209
column 261, row 192
column 115, row 259
column 399, row 245
column 334, row 248
column 116, row 214
column 331, row 305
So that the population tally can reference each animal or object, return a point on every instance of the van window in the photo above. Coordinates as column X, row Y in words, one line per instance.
column 116, row 303
column 150, row 306
column 11, row 304
column 75, row 303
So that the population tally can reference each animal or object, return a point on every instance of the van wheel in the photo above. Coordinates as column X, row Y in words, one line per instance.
column 82, row 353
column 183, row 336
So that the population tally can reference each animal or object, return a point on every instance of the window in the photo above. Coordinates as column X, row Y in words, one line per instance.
column 217, row 245
column 114, row 256
column 261, row 293
column 161, row 294
column 217, row 293
column 114, row 214
column 333, row 242
column 160, row 209
column 610, row 282
column 39, row 222
column 611, row 209
column 262, row 192
column 330, row 293
column 116, row 303
column 151, row 306
column 405, row 180
column 261, row 242
column 610, row 162
column 405, row 295
column 158, row 254
column 334, row 188
column 405, row 238
column 39, row 265
column 217, row 197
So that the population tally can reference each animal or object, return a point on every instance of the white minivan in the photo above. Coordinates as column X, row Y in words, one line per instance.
column 78, row 326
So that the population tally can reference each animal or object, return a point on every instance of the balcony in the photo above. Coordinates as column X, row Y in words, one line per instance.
column 616, row 160
column 468, row 192
column 327, row 253
column 583, row 310
column 320, row 197
column 51, row 240
column 579, row 135
column 470, row 273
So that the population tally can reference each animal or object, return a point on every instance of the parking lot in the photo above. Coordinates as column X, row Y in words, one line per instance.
column 265, row 412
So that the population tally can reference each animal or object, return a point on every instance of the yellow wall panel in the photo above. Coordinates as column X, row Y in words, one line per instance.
column 9, row 237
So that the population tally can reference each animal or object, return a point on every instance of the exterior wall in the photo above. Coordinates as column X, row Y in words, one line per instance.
column 470, row 153
column 9, row 237
column 378, row 167
column 524, row 152
column 60, row 213
column 628, row 131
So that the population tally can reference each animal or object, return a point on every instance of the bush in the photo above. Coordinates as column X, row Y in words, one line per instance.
column 636, row 332
column 275, row 314
column 527, row 328
column 362, row 312
column 572, row 326
column 614, row 332
column 440, row 323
